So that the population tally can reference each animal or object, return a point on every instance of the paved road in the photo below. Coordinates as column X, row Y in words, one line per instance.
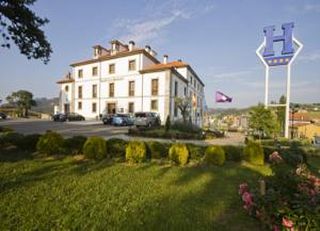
column 85, row 128
column 96, row 128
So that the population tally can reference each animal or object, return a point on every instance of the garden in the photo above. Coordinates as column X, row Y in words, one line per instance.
column 51, row 182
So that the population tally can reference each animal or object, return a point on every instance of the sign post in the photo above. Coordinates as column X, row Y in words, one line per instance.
column 270, row 59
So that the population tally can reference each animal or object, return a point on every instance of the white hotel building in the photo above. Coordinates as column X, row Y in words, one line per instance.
column 129, row 79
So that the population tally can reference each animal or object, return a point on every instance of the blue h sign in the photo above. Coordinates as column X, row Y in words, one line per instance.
column 286, row 38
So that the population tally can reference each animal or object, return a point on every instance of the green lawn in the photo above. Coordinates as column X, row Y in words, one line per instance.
column 43, row 194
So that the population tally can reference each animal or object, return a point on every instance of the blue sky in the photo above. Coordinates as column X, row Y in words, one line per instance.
column 218, row 39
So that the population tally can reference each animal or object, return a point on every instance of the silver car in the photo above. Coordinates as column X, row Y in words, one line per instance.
column 147, row 119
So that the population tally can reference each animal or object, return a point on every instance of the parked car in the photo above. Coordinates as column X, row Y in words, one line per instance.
column 72, row 116
column 147, row 119
column 3, row 116
column 122, row 120
column 61, row 117
column 107, row 118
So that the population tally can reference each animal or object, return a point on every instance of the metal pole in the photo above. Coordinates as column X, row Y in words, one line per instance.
column 286, row 129
column 266, row 88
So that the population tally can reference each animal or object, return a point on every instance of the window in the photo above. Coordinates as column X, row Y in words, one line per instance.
column 94, row 71
column 66, row 88
column 111, row 90
column 80, row 92
column 154, row 105
column 191, row 79
column 132, row 65
column 175, row 112
column 131, row 88
column 154, row 87
column 94, row 107
column 185, row 91
column 79, row 105
column 175, row 88
column 94, row 91
column 131, row 107
column 80, row 73
column 195, row 83
column 112, row 68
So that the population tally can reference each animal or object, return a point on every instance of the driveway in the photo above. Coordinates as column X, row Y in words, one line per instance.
column 96, row 128
column 83, row 128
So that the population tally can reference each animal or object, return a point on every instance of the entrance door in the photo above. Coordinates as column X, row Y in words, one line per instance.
column 66, row 108
column 111, row 107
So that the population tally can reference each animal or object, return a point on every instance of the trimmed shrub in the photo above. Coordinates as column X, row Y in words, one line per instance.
column 196, row 152
column 74, row 145
column 167, row 124
column 253, row 153
column 136, row 152
column 95, row 148
column 50, row 143
column 214, row 155
column 157, row 150
column 179, row 154
column 11, row 138
column 233, row 153
column 117, row 147
column 29, row 142
column 6, row 129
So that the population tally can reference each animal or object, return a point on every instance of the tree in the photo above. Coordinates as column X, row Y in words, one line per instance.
column 281, row 113
column 22, row 26
column 184, row 105
column 23, row 100
column 263, row 121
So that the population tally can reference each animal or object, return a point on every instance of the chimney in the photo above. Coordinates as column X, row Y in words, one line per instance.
column 148, row 48
column 165, row 59
column 131, row 45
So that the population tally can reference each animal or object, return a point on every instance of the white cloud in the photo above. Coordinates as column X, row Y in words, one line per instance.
column 157, row 18
column 312, row 8
column 311, row 57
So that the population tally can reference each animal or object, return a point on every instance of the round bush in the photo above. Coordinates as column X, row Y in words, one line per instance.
column 74, row 145
column 253, row 153
column 117, row 147
column 136, row 152
column 95, row 148
column 12, row 138
column 50, row 143
column 196, row 152
column 29, row 142
column 179, row 154
column 214, row 155
column 157, row 150
column 233, row 153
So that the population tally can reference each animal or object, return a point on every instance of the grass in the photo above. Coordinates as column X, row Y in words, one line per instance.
column 60, row 194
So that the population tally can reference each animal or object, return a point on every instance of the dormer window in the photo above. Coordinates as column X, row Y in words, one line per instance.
column 94, row 71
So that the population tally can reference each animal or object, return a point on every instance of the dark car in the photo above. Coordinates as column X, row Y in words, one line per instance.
column 72, row 116
column 59, row 117
column 3, row 116
column 107, row 118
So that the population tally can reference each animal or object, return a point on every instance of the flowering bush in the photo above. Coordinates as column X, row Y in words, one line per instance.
column 292, row 199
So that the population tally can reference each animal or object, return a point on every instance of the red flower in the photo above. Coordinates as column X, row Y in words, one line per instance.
column 243, row 188
column 275, row 157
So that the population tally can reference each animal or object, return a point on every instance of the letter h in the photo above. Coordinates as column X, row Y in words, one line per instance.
column 286, row 38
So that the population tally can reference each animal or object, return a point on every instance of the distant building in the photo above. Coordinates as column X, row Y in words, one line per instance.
column 308, row 131
column 128, row 79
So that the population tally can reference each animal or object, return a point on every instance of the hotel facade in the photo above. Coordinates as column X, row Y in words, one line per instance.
column 129, row 79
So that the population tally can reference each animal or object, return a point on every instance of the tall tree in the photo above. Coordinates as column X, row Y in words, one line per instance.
column 281, row 113
column 263, row 121
column 184, row 105
column 22, row 26
column 23, row 100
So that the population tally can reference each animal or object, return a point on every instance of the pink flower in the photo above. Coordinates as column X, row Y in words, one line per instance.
column 276, row 228
column 275, row 157
column 287, row 223
column 247, row 198
column 243, row 188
